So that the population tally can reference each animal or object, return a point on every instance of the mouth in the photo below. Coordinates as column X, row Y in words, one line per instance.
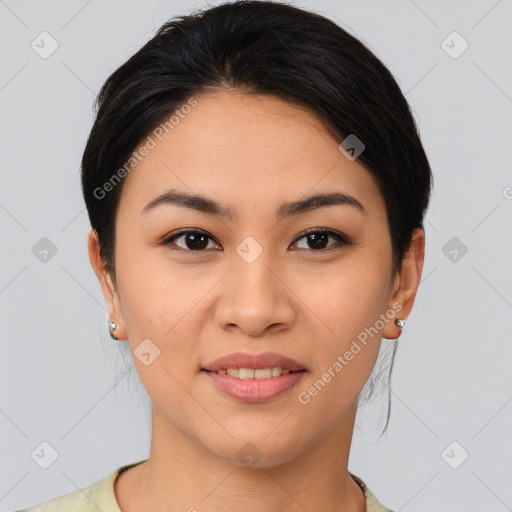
column 254, row 378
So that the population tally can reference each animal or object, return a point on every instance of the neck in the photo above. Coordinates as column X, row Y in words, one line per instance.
column 181, row 474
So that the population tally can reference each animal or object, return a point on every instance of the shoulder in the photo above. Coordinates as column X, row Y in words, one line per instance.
column 85, row 500
column 372, row 504
column 98, row 496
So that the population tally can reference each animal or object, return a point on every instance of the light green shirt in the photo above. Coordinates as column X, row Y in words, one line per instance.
column 100, row 496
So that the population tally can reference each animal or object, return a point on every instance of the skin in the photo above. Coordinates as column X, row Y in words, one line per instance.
column 303, row 302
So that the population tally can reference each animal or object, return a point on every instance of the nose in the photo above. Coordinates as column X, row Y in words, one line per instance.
column 255, row 300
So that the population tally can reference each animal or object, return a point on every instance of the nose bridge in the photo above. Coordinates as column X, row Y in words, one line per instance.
column 253, row 280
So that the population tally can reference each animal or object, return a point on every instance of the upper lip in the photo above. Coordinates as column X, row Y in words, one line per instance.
column 256, row 361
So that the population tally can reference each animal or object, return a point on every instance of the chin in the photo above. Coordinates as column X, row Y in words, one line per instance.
column 256, row 451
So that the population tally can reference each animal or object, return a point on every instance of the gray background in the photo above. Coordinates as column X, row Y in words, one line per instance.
column 451, row 381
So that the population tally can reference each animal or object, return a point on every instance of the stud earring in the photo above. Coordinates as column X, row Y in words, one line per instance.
column 400, row 323
column 111, row 328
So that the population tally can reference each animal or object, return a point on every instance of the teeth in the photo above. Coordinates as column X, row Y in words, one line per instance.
column 251, row 373
column 246, row 373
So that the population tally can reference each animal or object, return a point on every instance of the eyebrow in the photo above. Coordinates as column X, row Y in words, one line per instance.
column 209, row 206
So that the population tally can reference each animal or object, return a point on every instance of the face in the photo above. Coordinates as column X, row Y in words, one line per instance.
column 253, row 281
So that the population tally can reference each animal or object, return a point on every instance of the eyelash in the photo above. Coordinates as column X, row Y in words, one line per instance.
column 342, row 239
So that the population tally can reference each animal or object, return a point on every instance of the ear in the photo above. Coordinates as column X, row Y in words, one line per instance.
column 406, row 283
column 108, row 288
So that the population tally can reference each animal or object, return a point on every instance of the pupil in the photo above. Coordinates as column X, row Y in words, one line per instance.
column 318, row 237
column 192, row 236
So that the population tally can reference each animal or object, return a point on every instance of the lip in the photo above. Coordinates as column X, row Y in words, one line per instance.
column 254, row 390
column 256, row 361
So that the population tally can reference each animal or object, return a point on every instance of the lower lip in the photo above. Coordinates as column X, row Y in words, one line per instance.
column 254, row 390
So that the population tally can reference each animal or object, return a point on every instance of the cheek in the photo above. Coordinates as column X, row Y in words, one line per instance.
column 160, row 304
column 343, row 360
column 346, row 310
column 164, row 329
column 347, row 299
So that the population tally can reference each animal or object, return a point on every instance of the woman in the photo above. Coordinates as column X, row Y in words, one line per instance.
column 256, row 188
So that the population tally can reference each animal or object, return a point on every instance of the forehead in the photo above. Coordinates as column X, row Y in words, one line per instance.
column 246, row 150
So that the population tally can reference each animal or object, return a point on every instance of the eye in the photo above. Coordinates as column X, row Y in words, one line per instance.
column 197, row 240
column 193, row 239
column 317, row 239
